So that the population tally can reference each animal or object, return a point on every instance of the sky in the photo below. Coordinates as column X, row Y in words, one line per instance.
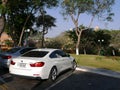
column 64, row 25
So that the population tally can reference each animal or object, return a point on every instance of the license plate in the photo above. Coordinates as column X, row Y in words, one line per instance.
column 22, row 65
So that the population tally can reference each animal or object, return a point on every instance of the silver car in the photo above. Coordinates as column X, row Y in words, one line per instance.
column 6, row 57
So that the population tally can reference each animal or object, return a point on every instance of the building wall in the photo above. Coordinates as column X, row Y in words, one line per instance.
column 3, row 38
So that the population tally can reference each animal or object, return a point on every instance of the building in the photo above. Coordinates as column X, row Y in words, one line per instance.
column 5, row 37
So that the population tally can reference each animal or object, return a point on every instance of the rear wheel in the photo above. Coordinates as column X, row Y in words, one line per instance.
column 53, row 74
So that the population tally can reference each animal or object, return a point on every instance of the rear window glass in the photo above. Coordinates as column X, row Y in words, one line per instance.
column 35, row 54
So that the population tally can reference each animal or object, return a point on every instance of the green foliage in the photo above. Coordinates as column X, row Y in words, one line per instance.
column 21, row 15
column 8, row 42
column 76, row 6
column 73, row 8
column 91, row 41
column 93, row 7
column 47, row 21
column 111, row 51
column 53, row 44
column 46, row 3
column 62, row 41
column 72, row 35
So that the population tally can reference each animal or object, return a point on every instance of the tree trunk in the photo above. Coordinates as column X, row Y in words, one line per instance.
column 84, row 51
column 77, row 50
column 77, row 46
column 23, row 29
column 78, row 43
column 43, row 34
column 2, row 18
column 2, row 24
column 20, row 40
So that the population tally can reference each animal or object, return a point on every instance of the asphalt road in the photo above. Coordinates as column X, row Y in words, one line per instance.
column 88, row 81
column 9, row 82
column 77, row 80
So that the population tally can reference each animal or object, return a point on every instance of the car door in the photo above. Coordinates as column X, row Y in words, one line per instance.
column 65, row 59
column 57, row 60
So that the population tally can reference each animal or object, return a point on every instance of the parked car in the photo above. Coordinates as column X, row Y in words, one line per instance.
column 6, row 57
column 42, row 64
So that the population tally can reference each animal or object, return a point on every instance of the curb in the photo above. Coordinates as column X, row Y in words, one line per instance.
column 99, row 71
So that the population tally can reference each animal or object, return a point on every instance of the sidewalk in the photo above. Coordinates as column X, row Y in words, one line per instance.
column 99, row 71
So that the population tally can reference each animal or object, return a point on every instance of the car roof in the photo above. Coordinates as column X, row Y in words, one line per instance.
column 23, row 47
column 45, row 49
column 18, row 49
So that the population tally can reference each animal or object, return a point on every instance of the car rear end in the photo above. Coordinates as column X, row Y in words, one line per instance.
column 28, row 67
column 6, row 57
column 5, row 60
column 31, row 64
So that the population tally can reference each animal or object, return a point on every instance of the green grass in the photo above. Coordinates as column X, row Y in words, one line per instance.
column 111, row 63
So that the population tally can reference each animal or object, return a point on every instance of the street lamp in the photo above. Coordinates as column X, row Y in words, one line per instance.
column 100, row 41
column 28, row 30
column 26, row 37
column 71, row 29
column 101, row 52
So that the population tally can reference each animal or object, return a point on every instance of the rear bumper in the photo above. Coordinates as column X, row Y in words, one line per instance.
column 32, row 72
column 26, row 77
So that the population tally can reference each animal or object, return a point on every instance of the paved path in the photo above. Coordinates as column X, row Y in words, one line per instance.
column 99, row 71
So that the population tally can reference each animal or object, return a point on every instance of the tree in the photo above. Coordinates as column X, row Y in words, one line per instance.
column 21, row 15
column 87, row 39
column 2, row 15
column 45, row 21
column 38, row 5
column 18, row 19
column 53, row 43
column 63, row 41
column 74, row 8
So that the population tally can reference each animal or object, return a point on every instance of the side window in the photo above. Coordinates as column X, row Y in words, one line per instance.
column 58, row 54
column 61, row 53
column 53, row 55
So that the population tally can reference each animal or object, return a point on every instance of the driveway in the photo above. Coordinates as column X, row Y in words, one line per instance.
column 87, row 81
column 84, row 78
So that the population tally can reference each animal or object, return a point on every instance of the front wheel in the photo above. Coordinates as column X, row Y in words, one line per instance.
column 53, row 74
column 74, row 65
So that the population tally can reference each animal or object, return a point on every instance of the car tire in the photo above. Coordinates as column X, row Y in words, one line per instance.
column 53, row 74
column 74, row 65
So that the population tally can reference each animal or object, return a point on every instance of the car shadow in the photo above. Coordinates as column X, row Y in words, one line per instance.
column 5, row 76
column 28, row 84
column 43, row 84
column 3, row 71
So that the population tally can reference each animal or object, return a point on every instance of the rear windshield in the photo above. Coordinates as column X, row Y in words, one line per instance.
column 35, row 54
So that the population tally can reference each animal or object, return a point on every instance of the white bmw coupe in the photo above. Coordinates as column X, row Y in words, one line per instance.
column 42, row 63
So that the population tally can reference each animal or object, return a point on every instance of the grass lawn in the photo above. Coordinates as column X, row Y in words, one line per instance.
column 111, row 63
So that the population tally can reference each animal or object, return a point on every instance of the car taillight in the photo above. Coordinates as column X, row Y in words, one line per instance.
column 6, row 57
column 12, row 62
column 37, row 64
